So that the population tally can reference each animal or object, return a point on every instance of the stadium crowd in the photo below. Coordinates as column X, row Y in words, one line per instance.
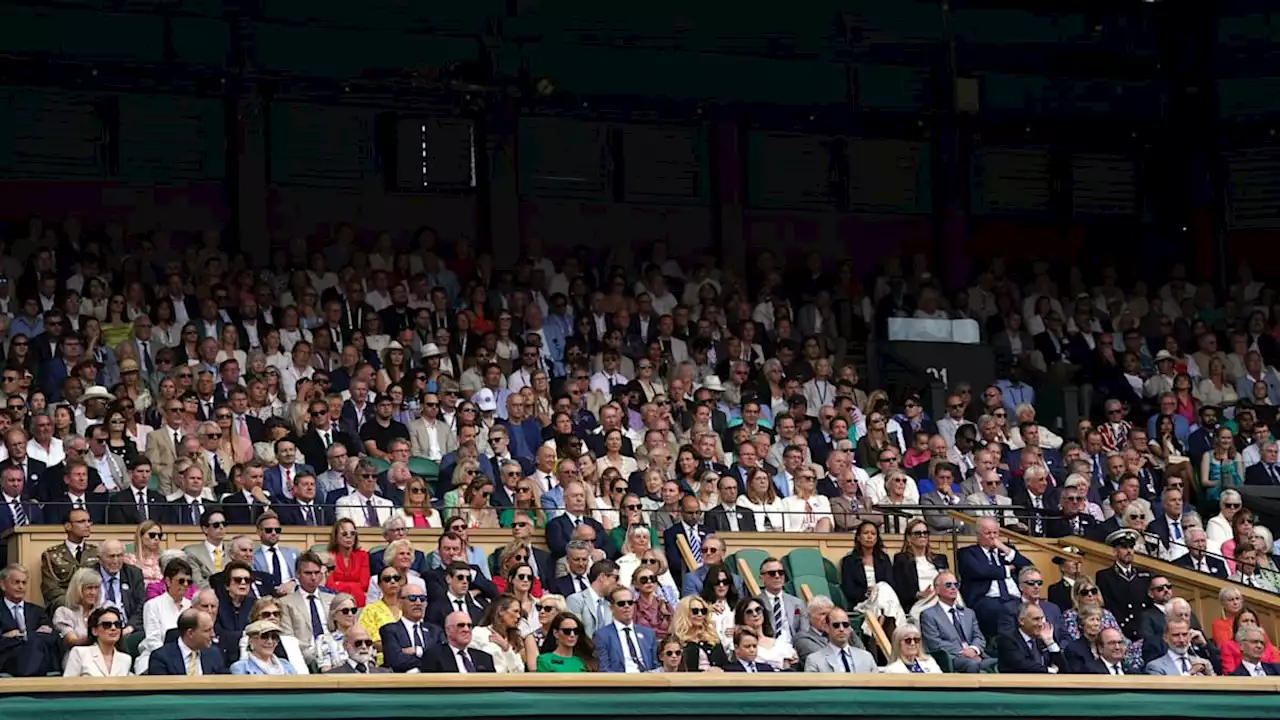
column 629, row 410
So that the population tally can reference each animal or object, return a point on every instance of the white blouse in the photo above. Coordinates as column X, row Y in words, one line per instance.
column 504, row 661
column 767, row 516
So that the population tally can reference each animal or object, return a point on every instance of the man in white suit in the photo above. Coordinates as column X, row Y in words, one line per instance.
column 363, row 507
column 429, row 436
column 840, row 656
column 953, row 628
column 304, row 613
column 592, row 604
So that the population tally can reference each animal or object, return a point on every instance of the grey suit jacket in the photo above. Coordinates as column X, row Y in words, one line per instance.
column 1005, row 517
column 793, row 609
column 584, row 606
column 939, row 520
column 420, row 441
column 828, row 661
column 941, row 634
column 202, row 566
column 295, row 618
column 1165, row 665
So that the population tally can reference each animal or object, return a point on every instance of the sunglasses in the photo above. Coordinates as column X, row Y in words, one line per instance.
column 350, row 611
column 217, row 524
column 270, row 637
column 155, row 536
column 649, row 561
column 1090, row 591
column 269, row 614
column 1033, row 583
column 567, row 630
column 362, row 643
column 524, row 576
column 240, row 579
column 672, row 653
column 111, row 625
column 698, row 611
column 271, row 530
column 774, row 573
column 911, row 641
column 753, row 611
column 391, row 578
column 919, row 533
column 840, row 625
column 416, row 598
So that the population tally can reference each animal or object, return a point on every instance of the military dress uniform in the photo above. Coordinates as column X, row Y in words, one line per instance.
column 1124, row 593
column 57, row 565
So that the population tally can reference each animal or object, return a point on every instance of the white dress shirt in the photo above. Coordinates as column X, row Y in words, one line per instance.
column 629, row 664
column 50, row 457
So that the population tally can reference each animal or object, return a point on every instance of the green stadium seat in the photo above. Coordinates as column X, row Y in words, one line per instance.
column 154, row 483
column 808, row 561
column 754, row 558
column 380, row 464
column 943, row 660
column 817, row 585
column 128, row 547
column 320, row 547
column 424, row 468
column 132, row 642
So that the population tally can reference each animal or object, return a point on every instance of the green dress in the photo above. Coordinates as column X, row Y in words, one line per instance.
column 551, row 662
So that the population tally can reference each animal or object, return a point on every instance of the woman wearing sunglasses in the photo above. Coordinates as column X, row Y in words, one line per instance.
column 908, row 653
column 652, row 609
column 330, row 647
column 513, row 556
column 915, row 568
column 567, row 648
column 476, row 508
column 770, row 649
column 528, row 498
column 545, row 611
column 694, row 629
column 1087, row 598
column 100, row 658
column 632, row 515
column 417, row 511
column 264, row 638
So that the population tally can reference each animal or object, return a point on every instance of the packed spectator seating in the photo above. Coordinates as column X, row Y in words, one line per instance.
column 618, row 421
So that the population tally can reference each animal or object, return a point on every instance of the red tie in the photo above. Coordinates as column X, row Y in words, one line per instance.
column 288, row 477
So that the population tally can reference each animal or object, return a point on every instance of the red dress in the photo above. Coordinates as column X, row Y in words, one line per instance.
column 350, row 575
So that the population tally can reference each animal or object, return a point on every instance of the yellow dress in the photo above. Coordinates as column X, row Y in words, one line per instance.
column 374, row 616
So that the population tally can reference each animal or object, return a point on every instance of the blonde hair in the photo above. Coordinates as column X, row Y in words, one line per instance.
column 686, row 630
column 83, row 578
column 140, row 533
column 389, row 554
column 460, row 478
column 904, row 631
column 261, row 604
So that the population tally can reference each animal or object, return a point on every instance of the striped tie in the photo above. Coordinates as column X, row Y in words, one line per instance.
column 695, row 546
column 777, row 615
column 19, row 515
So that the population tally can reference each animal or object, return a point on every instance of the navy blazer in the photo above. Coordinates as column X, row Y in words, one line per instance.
column 395, row 638
column 675, row 561
column 560, row 532
column 238, row 511
column 273, row 478
column 438, row 587
column 976, row 572
column 1217, row 567
column 737, row 666
column 95, row 503
column 19, row 653
column 291, row 514
column 35, row 515
column 441, row 659
column 167, row 660
column 1015, row 657
column 123, row 510
column 440, row 608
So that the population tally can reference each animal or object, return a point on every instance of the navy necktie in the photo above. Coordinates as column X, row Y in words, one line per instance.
column 277, row 576
column 317, row 625
column 631, row 647
column 466, row 661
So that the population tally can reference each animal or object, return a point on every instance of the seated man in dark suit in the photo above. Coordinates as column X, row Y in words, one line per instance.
column 746, row 645
column 692, row 530
column 560, row 530
column 449, row 548
column 1253, row 643
column 989, row 570
column 1198, row 559
column 194, row 646
column 304, row 508
column 1031, row 584
column 1109, row 659
column 452, row 655
column 405, row 643
column 126, row 507
column 1029, row 647
column 78, row 493
column 29, row 648
column 727, row 516
column 457, row 598
column 360, row 653
column 18, row 510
